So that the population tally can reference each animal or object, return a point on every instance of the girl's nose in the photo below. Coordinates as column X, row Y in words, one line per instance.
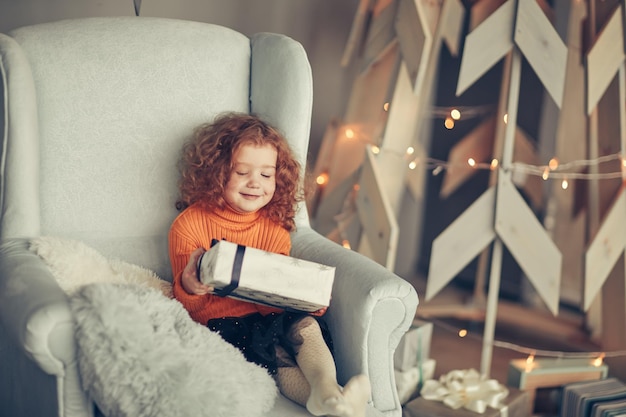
column 253, row 182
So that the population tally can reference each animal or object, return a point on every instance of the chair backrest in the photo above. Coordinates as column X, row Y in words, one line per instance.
column 95, row 112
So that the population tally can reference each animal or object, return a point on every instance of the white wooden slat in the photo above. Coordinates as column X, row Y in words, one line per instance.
column 376, row 215
column 399, row 133
column 542, row 46
column 415, row 38
column 461, row 242
column 380, row 33
column 452, row 17
column 604, row 59
column 605, row 249
column 481, row 10
column 486, row 45
column 524, row 151
column 357, row 32
column 528, row 242
column 401, row 120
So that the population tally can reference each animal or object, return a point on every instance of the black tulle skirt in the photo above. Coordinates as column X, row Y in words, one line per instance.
column 258, row 336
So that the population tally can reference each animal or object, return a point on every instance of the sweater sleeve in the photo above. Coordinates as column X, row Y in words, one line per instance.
column 181, row 245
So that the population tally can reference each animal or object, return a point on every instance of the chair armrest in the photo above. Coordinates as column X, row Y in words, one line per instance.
column 34, row 310
column 370, row 310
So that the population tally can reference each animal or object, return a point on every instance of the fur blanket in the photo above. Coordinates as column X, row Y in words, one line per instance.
column 140, row 354
column 74, row 264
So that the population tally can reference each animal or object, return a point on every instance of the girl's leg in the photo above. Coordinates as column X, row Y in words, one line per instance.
column 293, row 385
column 318, row 368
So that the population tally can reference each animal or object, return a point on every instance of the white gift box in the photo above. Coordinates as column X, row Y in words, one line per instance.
column 266, row 278
column 409, row 382
column 414, row 347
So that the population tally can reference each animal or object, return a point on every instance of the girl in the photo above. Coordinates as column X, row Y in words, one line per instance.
column 239, row 182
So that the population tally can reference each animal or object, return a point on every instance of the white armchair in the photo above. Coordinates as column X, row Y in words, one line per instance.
column 93, row 115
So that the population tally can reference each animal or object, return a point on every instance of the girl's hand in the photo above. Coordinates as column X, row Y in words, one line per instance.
column 189, row 279
column 320, row 312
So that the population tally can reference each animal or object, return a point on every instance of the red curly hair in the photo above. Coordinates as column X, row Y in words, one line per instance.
column 206, row 164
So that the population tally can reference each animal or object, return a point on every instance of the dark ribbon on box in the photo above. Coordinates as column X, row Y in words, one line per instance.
column 235, row 275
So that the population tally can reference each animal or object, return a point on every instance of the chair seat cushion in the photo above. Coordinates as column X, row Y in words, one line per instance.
column 141, row 355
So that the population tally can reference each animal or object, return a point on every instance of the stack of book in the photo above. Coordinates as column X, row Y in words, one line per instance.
column 601, row 398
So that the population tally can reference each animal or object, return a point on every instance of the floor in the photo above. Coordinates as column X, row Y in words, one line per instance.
column 518, row 330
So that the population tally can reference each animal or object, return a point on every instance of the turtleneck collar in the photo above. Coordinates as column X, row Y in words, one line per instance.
column 229, row 214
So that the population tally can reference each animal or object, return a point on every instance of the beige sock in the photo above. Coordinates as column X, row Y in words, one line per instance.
column 318, row 367
column 356, row 394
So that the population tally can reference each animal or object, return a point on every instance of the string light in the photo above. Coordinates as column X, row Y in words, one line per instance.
column 555, row 169
column 563, row 171
column 322, row 179
column 448, row 123
column 597, row 356
column 455, row 112
column 553, row 164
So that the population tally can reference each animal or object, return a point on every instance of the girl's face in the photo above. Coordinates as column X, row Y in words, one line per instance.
column 252, row 180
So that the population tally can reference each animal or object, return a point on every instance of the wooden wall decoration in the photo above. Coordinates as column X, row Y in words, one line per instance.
column 515, row 28
column 415, row 26
column 399, row 51
column 605, row 60
column 376, row 214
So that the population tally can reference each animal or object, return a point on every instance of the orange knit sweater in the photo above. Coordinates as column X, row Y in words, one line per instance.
column 194, row 228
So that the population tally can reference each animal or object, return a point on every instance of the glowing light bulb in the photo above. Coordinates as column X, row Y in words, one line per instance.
column 349, row 133
column 386, row 106
column 322, row 179
column 553, row 164
column 471, row 162
column 494, row 164
column 455, row 114
column 375, row 150
column 412, row 165
column 599, row 360
column 462, row 333
column 564, row 184
column 345, row 244
column 506, row 118
column 530, row 362
column 546, row 174
column 448, row 123
column 410, row 150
